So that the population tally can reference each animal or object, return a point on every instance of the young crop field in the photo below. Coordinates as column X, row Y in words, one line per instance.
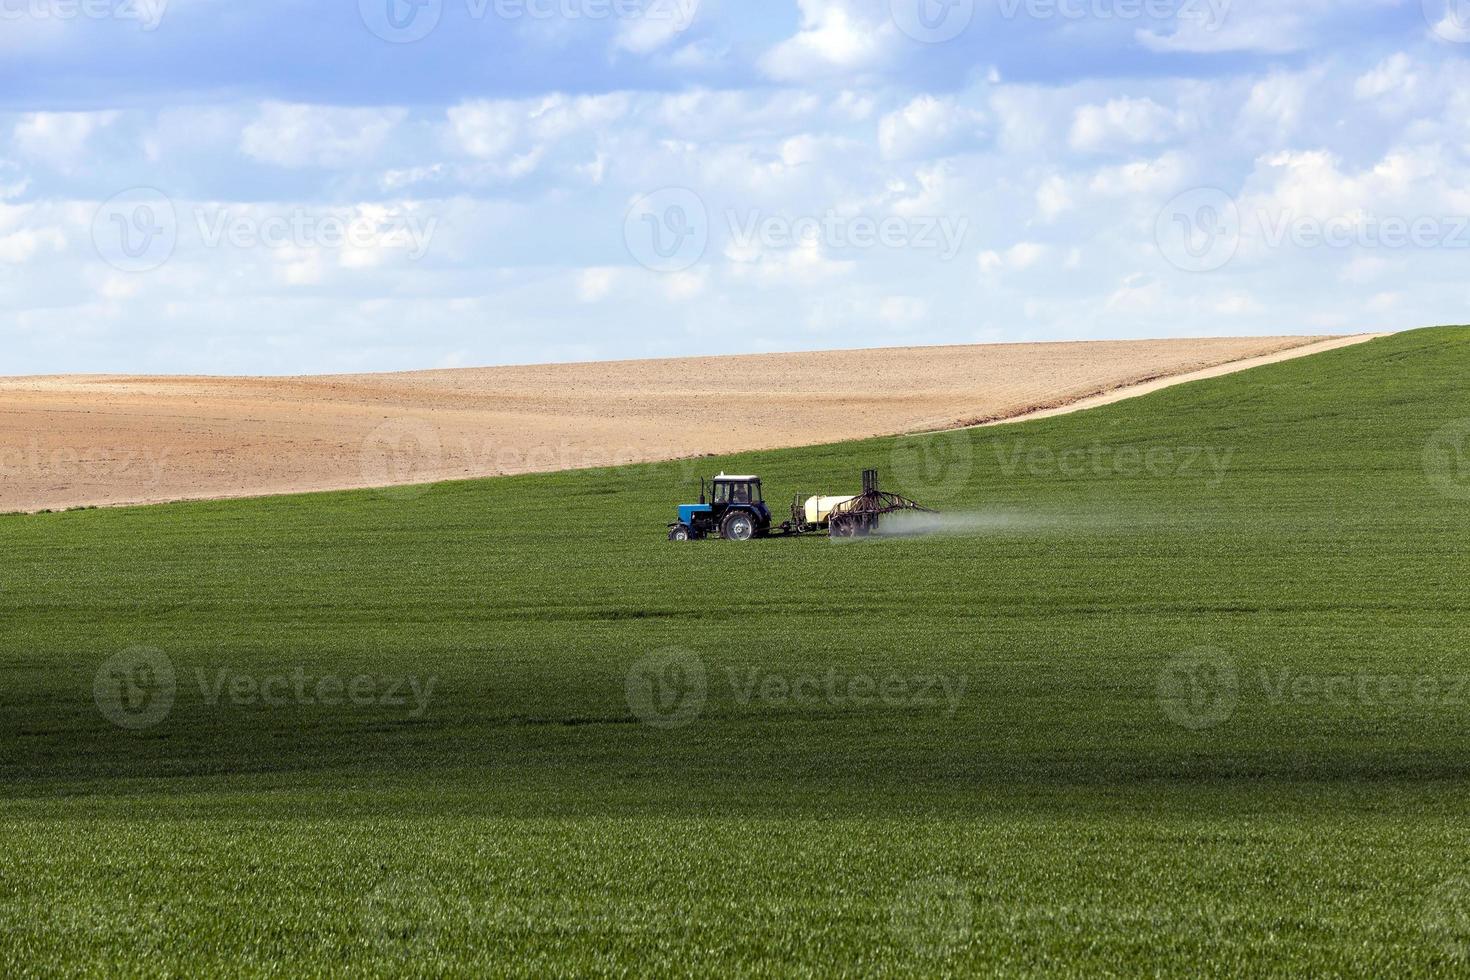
column 1178, row 686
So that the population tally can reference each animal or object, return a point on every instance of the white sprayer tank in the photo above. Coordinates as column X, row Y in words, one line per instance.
column 818, row 509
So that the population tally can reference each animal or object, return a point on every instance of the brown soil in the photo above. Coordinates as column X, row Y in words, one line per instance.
column 74, row 440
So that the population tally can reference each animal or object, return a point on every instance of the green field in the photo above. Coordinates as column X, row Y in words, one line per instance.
column 1179, row 688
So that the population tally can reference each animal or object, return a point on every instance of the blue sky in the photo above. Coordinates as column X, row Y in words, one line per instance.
column 346, row 185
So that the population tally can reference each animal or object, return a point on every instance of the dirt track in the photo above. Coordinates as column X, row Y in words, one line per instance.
column 75, row 440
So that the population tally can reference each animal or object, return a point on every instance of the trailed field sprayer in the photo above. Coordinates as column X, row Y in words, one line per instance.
column 734, row 508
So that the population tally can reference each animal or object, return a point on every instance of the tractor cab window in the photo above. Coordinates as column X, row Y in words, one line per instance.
column 738, row 492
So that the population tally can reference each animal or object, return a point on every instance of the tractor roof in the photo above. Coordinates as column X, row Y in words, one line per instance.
column 723, row 478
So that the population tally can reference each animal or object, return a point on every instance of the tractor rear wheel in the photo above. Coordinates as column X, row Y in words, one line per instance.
column 738, row 527
column 680, row 533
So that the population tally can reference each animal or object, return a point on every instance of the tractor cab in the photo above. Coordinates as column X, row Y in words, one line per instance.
column 731, row 507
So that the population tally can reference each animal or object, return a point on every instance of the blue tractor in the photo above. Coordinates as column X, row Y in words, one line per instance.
column 733, row 508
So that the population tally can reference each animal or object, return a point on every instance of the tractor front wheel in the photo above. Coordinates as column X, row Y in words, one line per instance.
column 680, row 533
column 738, row 527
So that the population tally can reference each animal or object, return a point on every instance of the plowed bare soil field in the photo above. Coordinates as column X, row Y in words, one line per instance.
column 75, row 440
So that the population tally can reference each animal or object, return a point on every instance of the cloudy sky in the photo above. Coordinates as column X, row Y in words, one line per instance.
column 287, row 186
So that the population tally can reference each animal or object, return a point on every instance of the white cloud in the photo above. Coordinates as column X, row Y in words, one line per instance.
column 21, row 246
column 1363, row 269
column 702, row 114
column 559, row 116
column 1260, row 26
column 661, row 21
column 925, row 127
column 1017, row 258
column 698, row 57
column 486, row 129
column 1238, row 304
column 805, row 264
column 1278, row 103
column 901, row 311
column 1122, row 122
column 1137, row 295
column 1405, row 183
column 1053, row 197
column 289, row 135
column 1360, row 135
column 12, row 186
column 594, row 284
column 834, row 38
column 513, row 138
column 1395, row 74
column 1140, row 177
column 687, row 285
column 1384, row 302
column 1281, row 34
column 59, row 138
